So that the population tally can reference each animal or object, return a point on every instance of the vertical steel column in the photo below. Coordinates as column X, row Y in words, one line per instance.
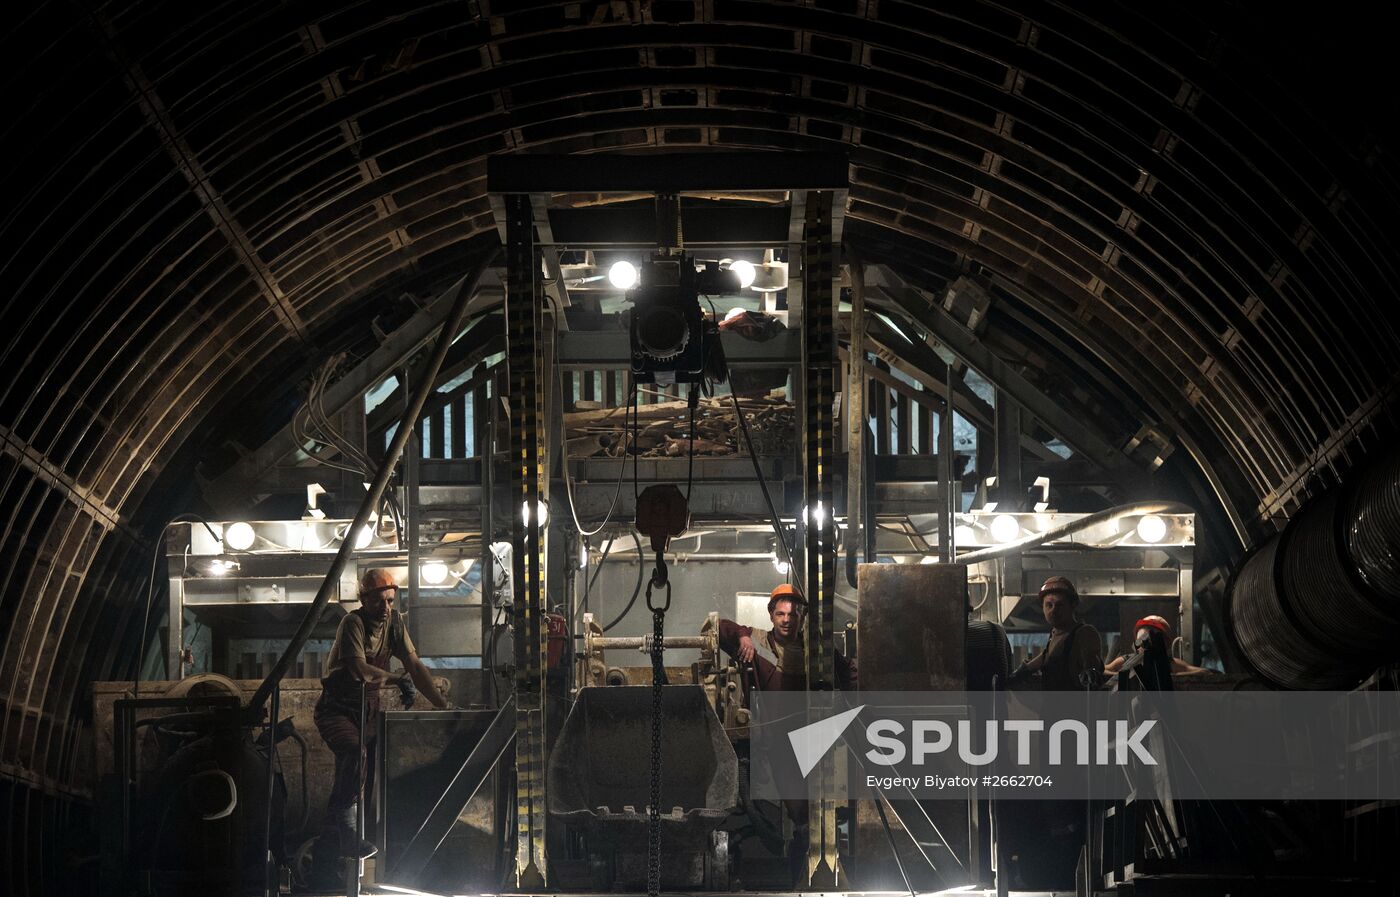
column 819, row 393
column 484, row 410
column 856, row 423
column 524, row 315
column 412, row 459
column 175, row 610
column 270, row 874
column 1187, row 596
column 1009, row 495
column 949, row 490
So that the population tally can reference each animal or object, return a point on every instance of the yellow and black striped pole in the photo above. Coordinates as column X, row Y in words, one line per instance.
column 524, row 317
column 819, row 446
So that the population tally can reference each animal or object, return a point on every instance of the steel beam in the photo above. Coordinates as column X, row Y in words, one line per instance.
column 668, row 173
column 51, row 475
column 965, row 345
column 209, row 198
column 524, row 320
column 952, row 490
column 819, row 449
column 606, row 350
column 856, row 420
column 1009, row 493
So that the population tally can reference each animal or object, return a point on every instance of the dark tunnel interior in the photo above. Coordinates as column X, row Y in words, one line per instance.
column 1145, row 251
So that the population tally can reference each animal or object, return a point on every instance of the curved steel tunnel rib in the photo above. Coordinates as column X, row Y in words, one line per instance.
column 1175, row 195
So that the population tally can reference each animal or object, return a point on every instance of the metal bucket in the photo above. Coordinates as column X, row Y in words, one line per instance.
column 599, row 777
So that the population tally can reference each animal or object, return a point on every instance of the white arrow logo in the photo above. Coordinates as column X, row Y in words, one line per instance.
column 810, row 743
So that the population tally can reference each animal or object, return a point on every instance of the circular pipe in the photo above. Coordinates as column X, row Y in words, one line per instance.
column 1315, row 607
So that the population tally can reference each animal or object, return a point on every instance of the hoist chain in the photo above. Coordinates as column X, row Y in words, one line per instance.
column 658, row 679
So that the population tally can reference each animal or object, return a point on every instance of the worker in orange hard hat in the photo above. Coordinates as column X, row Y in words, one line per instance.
column 1073, row 656
column 367, row 640
column 779, row 660
column 778, row 654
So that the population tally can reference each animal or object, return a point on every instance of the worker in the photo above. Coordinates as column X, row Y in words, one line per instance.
column 366, row 641
column 1152, row 638
column 1073, row 658
column 779, row 663
column 778, row 655
column 1042, row 838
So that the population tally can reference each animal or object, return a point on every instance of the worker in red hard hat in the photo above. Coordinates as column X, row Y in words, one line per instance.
column 1073, row 657
column 778, row 654
column 1153, row 632
column 367, row 640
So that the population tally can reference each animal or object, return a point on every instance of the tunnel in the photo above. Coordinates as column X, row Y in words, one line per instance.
column 1107, row 292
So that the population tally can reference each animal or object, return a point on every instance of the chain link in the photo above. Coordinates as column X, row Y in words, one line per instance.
column 658, row 678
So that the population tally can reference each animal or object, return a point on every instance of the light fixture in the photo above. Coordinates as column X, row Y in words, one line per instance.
column 1005, row 528
column 239, row 536
column 818, row 516
column 781, row 565
column 964, row 535
column 583, row 556
column 222, row 566
column 433, row 573
column 1151, row 528
column 363, row 536
column 745, row 272
column 623, row 275
column 525, row 512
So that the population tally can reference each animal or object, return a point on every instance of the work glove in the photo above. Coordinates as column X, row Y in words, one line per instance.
column 408, row 693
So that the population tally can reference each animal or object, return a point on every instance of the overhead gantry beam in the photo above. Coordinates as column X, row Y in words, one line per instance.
column 669, row 173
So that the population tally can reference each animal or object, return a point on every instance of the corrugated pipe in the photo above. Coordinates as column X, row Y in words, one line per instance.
column 1318, row 605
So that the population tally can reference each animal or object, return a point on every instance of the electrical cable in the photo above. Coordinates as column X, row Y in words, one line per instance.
column 151, row 590
column 641, row 566
column 594, row 578
column 568, row 480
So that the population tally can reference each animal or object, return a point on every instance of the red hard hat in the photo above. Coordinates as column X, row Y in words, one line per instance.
column 1155, row 622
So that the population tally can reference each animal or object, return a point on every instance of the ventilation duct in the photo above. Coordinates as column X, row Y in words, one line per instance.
column 1317, row 607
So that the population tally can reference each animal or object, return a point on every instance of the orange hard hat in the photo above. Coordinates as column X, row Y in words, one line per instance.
column 377, row 579
column 787, row 590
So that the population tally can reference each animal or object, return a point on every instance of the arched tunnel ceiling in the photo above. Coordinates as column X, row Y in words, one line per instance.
column 1190, row 209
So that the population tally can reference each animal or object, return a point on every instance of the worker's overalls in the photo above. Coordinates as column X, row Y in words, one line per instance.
column 1048, row 836
column 337, row 719
column 1057, row 674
